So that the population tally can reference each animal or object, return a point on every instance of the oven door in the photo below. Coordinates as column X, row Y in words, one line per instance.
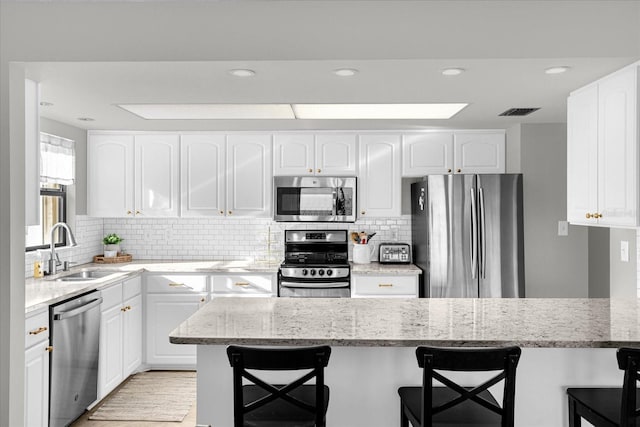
column 307, row 289
column 310, row 199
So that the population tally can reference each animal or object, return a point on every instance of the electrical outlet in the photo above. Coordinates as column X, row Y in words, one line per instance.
column 394, row 233
column 563, row 228
column 624, row 251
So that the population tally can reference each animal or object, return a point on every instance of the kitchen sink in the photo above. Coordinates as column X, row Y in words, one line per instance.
column 85, row 275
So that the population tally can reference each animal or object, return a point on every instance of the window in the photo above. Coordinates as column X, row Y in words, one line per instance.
column 53, row 199
column 57, row 170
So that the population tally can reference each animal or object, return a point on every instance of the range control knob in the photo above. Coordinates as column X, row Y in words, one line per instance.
column 329, row 272
column 321, row 272
column 312, row 272
column 304, row 272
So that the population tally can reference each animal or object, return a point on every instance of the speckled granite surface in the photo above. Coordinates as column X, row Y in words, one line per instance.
column 526, row 322
column 375, row 268
column 45, row 291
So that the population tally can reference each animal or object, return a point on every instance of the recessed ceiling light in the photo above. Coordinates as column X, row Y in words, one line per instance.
column 242, row 72
column 345, row 72
column 557, row 70
column 452, row 71
column 376, row 111
column 86, row 119
column 46, row 104
column 209, row 111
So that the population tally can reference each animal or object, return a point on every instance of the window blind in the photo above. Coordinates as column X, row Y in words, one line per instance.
column 57, row 160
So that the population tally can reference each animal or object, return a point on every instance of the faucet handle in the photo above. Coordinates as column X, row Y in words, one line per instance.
column 66, row 265
column 58, row 262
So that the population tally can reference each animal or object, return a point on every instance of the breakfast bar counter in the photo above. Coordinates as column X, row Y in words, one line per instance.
column 566, row 342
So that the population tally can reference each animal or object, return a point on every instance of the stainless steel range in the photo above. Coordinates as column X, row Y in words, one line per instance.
column 315, row 264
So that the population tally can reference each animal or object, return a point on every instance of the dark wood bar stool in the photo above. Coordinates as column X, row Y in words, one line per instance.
column 609, row 406
column 454, row 405
column 279, row 405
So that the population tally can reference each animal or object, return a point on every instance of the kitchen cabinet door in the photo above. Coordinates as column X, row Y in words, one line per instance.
column 250, row 285
column 110, row 175
column 36, row 385
column 132, row 335
column 582, row 156
column 111, row 345
column 618, row 149
column 249, row 172
column 164, row 312
column 427, row 154
column 157, row 175
column 379, row 183
column 202, row 175
column 335, row 154
column 479, row 152
column 293, row 154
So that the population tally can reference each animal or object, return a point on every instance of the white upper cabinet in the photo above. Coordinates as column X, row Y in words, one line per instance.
column 335, row 154
column 156, row 175
column 249, row 175
column 322, row 154
column 479, row 152
column 293, row 154
column 202, row 175
column 427, row 153
column 379, row 178
column 110, row 175
column 602, row 151
column 582, row 155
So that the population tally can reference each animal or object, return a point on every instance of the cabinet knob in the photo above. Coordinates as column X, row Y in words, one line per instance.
column 221, row 212
column 48, row 348
column 319, row 170
column 310, row 170
column 138, row 212
column 449, row 170
column 129, row 212
column 230, row 212
column 202, row 299
column 362, row 213
column 458, row 170
column 588, row 215
column 597, row 215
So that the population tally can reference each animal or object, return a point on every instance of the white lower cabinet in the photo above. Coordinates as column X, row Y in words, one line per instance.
column 120, row 334
column 384, row 286
column 36, row 372
column 170, row 300
column 248, row 285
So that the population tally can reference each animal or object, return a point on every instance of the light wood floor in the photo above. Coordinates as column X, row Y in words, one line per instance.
column 83, row 421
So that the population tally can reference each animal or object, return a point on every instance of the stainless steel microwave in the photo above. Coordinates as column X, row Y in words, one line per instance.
column 314, row 199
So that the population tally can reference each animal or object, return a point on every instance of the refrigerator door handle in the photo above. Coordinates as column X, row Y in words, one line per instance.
column 483, row 239
column 473, row 247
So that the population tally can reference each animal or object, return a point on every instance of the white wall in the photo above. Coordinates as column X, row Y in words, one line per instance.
column 555, row 266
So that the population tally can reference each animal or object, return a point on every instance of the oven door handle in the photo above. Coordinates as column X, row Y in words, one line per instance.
column 315, row 285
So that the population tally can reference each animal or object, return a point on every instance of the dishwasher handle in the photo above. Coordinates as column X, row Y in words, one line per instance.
column 78, row 310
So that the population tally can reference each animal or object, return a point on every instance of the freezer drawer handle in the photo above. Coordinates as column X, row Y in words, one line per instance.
column 79, row 310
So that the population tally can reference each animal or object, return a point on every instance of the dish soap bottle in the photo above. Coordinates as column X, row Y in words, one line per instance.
column 37, row 267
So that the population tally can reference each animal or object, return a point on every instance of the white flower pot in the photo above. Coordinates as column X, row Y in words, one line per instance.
column 111, row 251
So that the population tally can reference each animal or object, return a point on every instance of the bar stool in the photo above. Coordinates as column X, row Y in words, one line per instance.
column 609, row 406
column 453, row 404
column 294, row 404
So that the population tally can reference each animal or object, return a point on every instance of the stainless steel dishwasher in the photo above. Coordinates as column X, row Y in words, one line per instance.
column 75, row 338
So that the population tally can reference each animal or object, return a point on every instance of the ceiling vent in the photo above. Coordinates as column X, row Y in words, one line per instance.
column 518, row 111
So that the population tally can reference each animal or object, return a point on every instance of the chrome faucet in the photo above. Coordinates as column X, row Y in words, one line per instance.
column 54, row 262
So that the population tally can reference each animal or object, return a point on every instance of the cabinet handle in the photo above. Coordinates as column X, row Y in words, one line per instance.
column 174, row 285
column 48, row 348
column 449, row 170
column 459, row 170
column 310, row 170
column 385, row 285
column 319, row 170
column 123, row 309
column 38, row 331
column 241, row 284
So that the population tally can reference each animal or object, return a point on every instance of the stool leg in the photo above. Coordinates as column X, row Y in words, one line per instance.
column 404, row 421
column 574, row 418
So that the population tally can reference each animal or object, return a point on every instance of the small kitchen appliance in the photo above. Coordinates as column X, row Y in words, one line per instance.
column 394, row 253
column 314, row 199
column 315, row 264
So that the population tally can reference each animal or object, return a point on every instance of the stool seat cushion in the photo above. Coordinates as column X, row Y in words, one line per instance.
column 280, row 413
column 604, row 402
column 467, row 413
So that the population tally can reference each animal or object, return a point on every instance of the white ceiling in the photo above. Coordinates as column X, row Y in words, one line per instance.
column 399, row 47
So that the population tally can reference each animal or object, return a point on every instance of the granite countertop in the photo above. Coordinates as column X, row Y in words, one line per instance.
column 377, row 268
column 40, row 293
column 527, row 322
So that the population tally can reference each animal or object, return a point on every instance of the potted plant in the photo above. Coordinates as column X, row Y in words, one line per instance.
column 111, row 245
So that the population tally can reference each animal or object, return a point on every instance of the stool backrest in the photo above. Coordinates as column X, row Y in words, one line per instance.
column 504, row 360
column 629, row 361
column 278, row 359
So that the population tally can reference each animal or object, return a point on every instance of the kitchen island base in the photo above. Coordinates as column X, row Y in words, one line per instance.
column 364, row 383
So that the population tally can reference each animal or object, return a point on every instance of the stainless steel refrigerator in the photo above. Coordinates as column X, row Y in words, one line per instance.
column 467, row 235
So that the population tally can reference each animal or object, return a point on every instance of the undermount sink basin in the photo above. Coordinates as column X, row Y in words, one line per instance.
column 85, row 275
